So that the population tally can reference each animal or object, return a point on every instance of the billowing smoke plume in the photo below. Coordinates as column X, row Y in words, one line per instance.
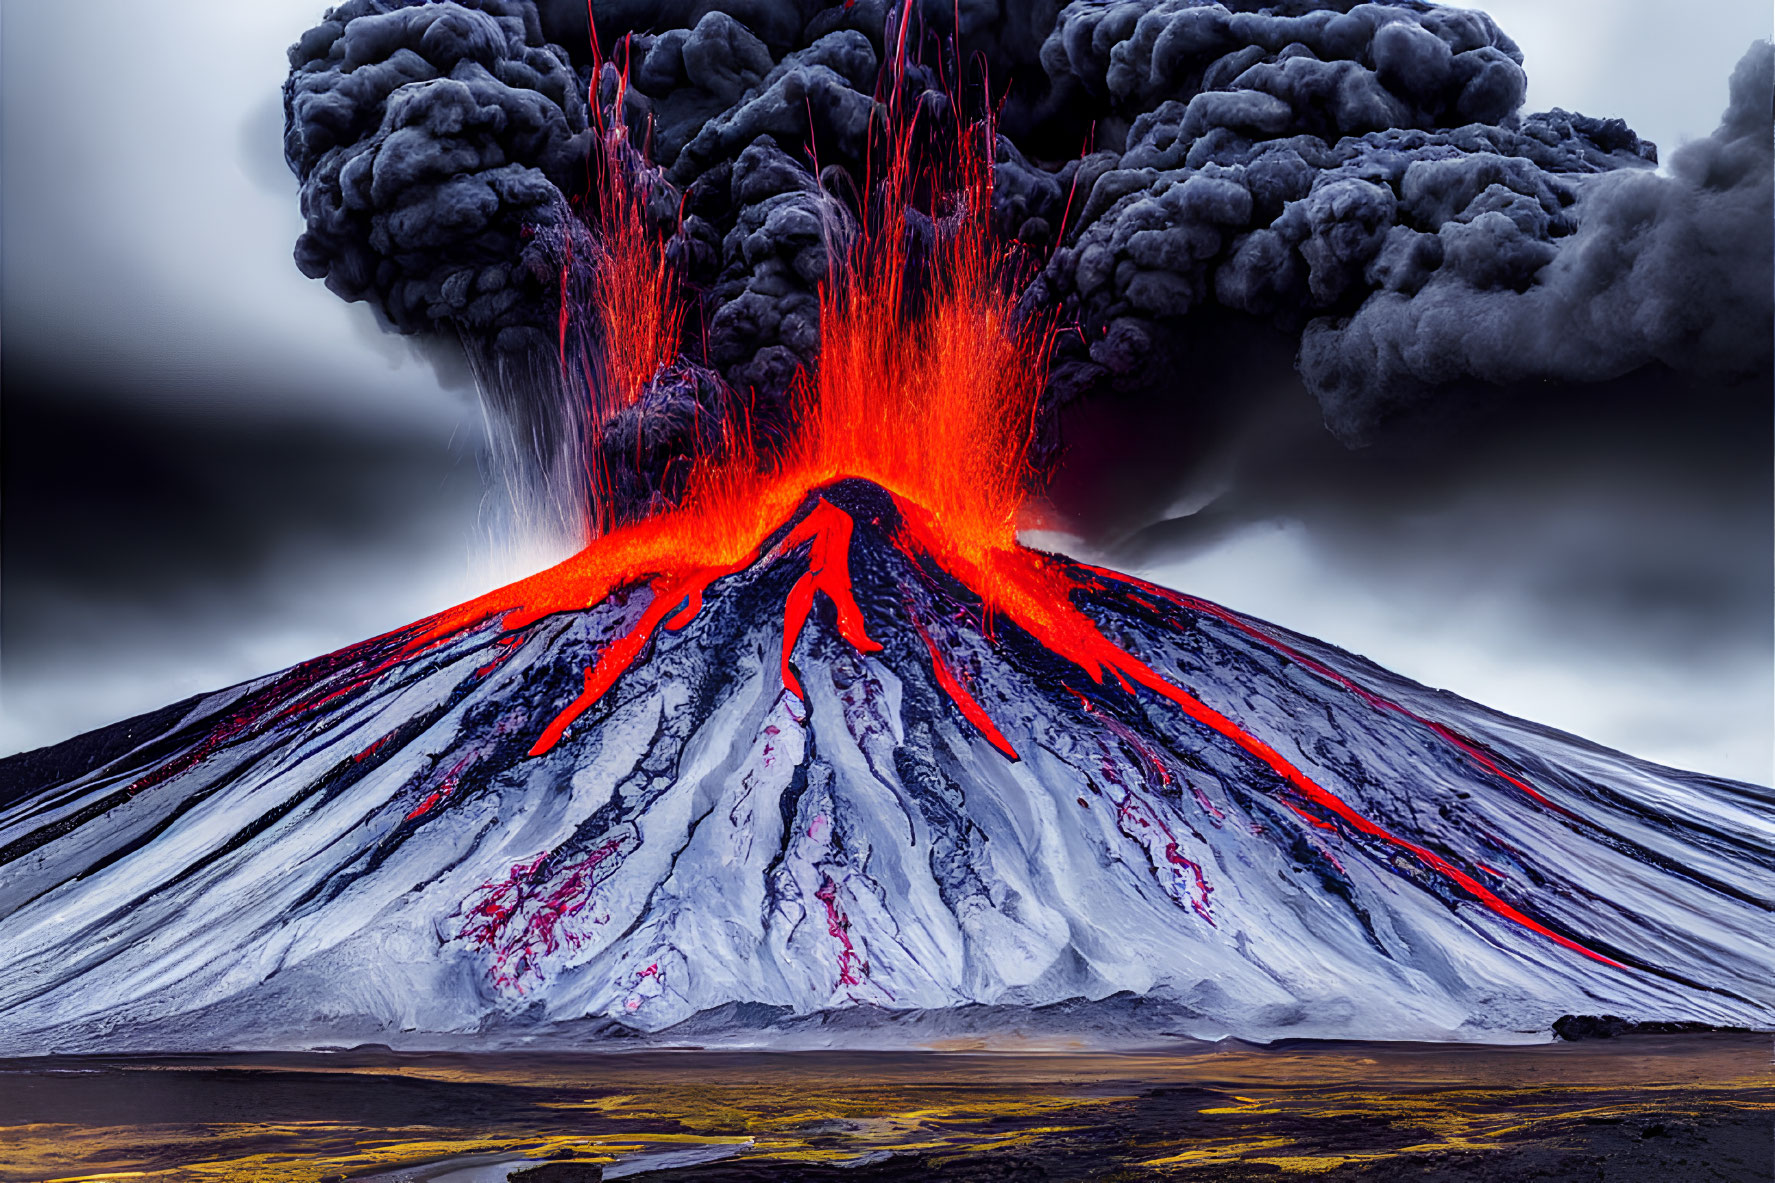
column 434, row 142
column 1364, row 176
column 1356, row 176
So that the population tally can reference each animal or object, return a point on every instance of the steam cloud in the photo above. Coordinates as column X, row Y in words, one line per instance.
column 1358, row 176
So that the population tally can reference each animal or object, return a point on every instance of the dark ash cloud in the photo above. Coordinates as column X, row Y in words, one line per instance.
column 433, row 143
column 1672, row 270
column 1358, row 176
column 1363, row 178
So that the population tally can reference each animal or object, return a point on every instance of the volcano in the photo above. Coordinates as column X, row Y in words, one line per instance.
column 830, row 783
column 814, row 744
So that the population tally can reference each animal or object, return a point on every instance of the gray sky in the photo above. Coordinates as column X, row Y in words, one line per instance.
column 148, row 223
column 1661, row 65
column 148, row 227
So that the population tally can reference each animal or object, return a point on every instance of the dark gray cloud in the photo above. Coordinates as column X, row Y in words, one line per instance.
column 1595, row 557
column 154, row 551
column 212, row 467
column 433, row 143
column 165, row 501
column 1364, row 178
column 1358, row 175
column 1670, row 269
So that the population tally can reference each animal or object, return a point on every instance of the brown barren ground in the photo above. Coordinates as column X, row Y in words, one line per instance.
column 1659, row 1108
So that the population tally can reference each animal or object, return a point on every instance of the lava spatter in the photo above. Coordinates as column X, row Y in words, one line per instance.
column 959, row 695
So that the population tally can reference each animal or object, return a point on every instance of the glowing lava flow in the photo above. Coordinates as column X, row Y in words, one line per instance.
column 958, row 694
column 827, row 530
column 1104, row 580
column 1030, row 589
column 668, row 593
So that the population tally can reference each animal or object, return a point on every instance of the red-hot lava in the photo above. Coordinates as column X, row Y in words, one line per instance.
column 630, row 282
column 930, row 396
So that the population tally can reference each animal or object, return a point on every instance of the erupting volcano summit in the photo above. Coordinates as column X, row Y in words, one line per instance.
column 805, row 737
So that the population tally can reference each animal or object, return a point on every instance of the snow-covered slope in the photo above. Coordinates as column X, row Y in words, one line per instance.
column 363, row 848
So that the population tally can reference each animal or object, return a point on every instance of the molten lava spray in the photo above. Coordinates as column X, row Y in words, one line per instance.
column 624, row 312
column 632, row 288
column 929, row 394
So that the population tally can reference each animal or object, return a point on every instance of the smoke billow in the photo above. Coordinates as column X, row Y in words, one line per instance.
column 433, row 142
column 1363, row 178
column 1356, row 179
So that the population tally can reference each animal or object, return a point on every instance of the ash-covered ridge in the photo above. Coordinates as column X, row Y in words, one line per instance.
column 363, row 848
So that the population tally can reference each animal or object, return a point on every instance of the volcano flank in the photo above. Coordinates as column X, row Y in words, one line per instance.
column 852, row 776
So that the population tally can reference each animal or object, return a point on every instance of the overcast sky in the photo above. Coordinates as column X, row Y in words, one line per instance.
column 214, row 468
column 1661, row 65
